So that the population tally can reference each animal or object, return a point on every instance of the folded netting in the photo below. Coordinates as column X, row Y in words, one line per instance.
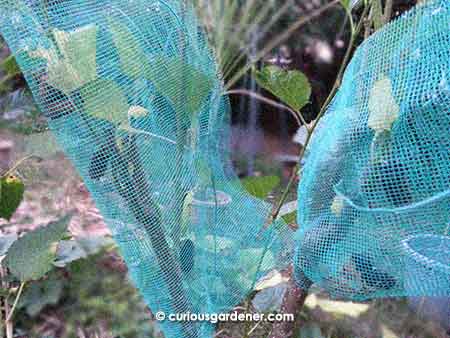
column 133, row 96
column 374, row 198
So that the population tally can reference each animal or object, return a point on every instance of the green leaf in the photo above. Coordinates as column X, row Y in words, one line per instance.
column 260, row 187
column 290, row 218
column 32, row 255
column 346, row 4
column 6, row 241
column 292, row 87
column 104, row 99
column 182, row 84
column 75, row 65
column 10, row 66
column 132, row 57
column 40, row 294
column 72, row 250
column 12, row 190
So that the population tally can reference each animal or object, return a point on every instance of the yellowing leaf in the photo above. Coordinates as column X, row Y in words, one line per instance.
column 76, row 66
column 337, row 205
column 137, row 111
column 383, row 109
column 104, row 99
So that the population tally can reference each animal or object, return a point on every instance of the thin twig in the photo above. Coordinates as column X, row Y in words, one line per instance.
column 298, row 116
column 18, row 164
column 322, row 111
column 295, row 296
column 254, row 327
column 16, row 301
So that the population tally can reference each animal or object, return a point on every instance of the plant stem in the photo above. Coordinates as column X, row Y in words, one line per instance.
column 297, row 115
column 181, row 131
column 9, row 329
column 387, row 11
column 16, row 301
column 295, row 297
column 18, row 164
column 148, row 214
column 293, row 302
column 322, row 111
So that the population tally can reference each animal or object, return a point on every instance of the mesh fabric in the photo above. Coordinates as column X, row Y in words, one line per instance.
column 133, row 96
column 374, row 197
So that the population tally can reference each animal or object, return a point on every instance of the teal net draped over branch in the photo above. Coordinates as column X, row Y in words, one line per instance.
column 374, row 198
column 133, row 96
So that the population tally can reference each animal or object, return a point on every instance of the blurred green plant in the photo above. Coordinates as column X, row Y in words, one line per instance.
column 95, row 298
column 260, row 187
column 242, row 31
column 27, row 262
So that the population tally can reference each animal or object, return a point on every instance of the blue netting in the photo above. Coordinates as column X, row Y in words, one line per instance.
column 132, row 94
column 374, row 198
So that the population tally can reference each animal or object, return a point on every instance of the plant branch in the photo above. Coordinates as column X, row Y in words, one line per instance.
column 295, row 296
column 18, row 164
column 148, row 214
column 297, row 115
column 322, row 111
column 16, row 301
column 387, row 11
column 293, row 302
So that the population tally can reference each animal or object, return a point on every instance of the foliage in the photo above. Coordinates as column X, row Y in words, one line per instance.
column 5, row 243
column 290, row 218
column 97, row 293
column 260, row 187
column 41, row 293
column 86, row 296
column 10, row 67
column 77, row 64
column 11, row 195
column 32, row 255
column 79, row 248
column 292, row 86
column 178, row 74
column 109, row 102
